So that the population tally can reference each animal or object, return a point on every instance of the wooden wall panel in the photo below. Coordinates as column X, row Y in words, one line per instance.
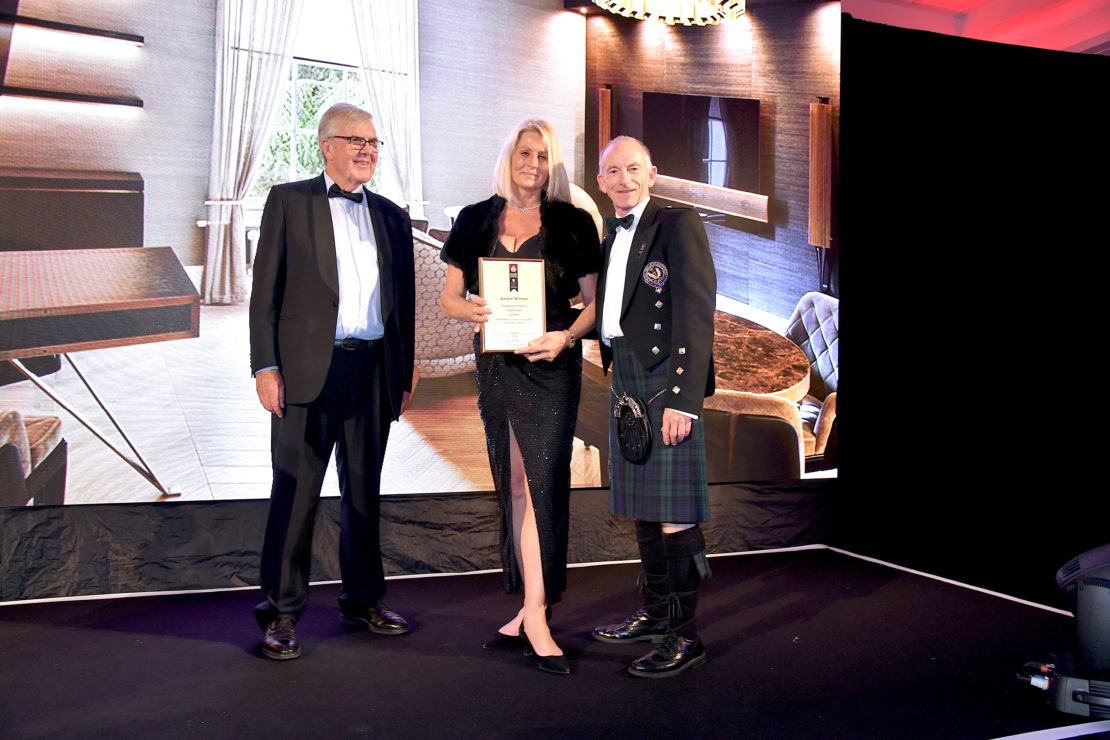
column 783, row 52
column 820, row 174
column 604, row 116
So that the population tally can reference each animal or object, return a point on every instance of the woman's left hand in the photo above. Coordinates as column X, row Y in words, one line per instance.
column 546, row 347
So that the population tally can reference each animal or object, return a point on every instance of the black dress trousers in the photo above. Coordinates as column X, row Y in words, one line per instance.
column 351, row 416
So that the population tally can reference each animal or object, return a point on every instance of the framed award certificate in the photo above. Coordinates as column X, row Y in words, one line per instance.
column 515, row 293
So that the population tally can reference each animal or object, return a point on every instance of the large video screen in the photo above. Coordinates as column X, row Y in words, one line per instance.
column 141, row 391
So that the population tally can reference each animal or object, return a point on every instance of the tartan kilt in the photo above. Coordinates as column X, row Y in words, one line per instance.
column 671, row 485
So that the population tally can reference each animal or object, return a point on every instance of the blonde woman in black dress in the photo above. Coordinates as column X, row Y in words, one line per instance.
column 528, row 400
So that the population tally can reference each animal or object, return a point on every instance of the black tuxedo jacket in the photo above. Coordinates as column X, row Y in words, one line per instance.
column 295, row 298
column 670, row 293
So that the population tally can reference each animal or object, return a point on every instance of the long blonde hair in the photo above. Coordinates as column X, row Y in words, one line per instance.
column 558, row 182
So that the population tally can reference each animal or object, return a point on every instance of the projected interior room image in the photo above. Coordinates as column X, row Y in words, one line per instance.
column 132, row 223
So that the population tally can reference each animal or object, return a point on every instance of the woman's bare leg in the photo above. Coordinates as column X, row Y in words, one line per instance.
column 526, row 542
column 517, row 504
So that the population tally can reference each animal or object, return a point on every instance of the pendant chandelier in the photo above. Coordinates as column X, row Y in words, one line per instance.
column 671, row 12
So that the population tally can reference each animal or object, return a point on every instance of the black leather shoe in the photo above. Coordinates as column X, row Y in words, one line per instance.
column 279, row 640
column 675, row 655
column 557, row 664
column 378, row 619
column 640, row 627
column 501, row 641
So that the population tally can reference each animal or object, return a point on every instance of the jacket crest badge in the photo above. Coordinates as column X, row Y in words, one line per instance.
column 655, row 275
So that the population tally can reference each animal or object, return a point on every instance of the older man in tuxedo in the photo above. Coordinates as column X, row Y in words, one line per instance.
column 657, row 293
column 331, row 325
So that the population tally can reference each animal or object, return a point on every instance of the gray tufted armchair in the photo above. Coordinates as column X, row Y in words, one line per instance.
column 815, row 326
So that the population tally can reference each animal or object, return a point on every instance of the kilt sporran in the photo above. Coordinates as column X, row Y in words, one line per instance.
column 633, row 426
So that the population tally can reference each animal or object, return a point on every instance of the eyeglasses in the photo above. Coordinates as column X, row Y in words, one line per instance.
column 357, row 142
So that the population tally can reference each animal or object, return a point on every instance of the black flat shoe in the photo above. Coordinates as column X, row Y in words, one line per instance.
column 557, row 664
column 501, row 641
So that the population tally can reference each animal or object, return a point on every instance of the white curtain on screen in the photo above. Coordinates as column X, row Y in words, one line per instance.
column 254, row 40
column 387, row 38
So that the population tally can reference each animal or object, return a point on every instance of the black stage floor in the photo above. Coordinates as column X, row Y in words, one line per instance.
column 811, row 644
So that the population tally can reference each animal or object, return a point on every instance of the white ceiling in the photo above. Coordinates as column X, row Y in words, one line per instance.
column 1064, row 25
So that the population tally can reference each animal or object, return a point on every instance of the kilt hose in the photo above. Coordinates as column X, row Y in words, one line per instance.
column 671, row 484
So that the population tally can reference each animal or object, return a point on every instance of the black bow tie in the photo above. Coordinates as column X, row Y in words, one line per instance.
column 337, row 192
column 613, row 222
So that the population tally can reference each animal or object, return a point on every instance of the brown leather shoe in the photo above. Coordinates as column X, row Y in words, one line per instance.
column 673, row 656
column 378, row 619
column 279, row 640
column 640, row 627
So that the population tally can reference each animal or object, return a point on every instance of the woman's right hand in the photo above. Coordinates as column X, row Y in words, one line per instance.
column 479, row 312
column 453, row 300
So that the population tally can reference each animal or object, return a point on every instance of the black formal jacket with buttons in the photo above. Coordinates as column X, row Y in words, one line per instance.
column 295, row 298
column 670, row 294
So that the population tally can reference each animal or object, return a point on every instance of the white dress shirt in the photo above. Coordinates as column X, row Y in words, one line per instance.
column 615, row 273
column 356, row 258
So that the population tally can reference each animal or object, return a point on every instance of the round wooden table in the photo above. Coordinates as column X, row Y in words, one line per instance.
column 749, row 359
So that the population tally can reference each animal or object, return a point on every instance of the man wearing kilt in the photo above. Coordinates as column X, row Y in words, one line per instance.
column 657, row 295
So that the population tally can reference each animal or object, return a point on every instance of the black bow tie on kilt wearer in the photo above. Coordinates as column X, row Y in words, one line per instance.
column 613, row 222
column 337, row 192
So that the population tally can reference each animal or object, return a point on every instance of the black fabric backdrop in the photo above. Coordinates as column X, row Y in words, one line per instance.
column 53, row 551
column 973, row 230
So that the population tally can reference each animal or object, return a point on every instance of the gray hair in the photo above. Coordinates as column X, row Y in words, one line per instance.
column 336, row 116
column 558, row 182
column 617, row 140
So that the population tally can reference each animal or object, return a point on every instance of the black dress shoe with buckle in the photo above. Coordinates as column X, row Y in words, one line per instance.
column 673, row 656
column 640, row 627
column 279, row 640
column 378, row 619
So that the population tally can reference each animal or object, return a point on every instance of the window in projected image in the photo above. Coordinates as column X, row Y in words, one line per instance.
column 717, row 162
column 326, row 69
column 293, row 152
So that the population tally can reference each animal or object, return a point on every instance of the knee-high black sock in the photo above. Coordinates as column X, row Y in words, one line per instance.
column 649, row 536
column 683, row 550
column 653, row 584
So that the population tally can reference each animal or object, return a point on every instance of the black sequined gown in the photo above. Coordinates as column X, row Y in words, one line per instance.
column 539, row 402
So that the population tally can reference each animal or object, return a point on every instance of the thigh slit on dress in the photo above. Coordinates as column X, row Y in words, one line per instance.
column 537, row 403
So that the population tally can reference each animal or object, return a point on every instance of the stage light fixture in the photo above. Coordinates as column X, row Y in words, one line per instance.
column 677, row 12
